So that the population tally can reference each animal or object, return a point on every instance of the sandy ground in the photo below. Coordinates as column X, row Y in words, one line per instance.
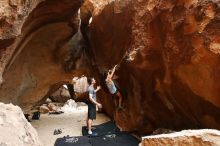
column 70, row 124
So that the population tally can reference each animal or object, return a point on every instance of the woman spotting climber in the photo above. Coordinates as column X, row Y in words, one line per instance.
column 112, row 88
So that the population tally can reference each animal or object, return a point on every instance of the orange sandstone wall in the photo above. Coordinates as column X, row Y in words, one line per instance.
column 171, row 79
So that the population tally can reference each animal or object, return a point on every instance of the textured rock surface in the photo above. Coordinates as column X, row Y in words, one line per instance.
column 15, row 129
column 36, row 62
column 61, row 95
column 184, row 138
column 12, row 16
column 14, row 12
column 44, row 109
column 170, row 79
column 169, row 75
column 19, row 19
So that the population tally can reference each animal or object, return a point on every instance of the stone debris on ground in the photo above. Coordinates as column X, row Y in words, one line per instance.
column 44, row 109
column 202, row 137
column 15, row 129
column 71, row 106
column 68, row 107
column 53, row 107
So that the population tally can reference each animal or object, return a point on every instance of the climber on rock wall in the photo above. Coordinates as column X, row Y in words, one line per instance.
column 112, row 88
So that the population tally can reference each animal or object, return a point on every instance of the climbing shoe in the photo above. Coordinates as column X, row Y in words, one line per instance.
column 57, row 131
column 93, row 134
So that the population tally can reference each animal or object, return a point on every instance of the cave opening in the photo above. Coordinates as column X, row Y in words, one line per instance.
column 61, row 112
column 48, row 54
column 166, row 52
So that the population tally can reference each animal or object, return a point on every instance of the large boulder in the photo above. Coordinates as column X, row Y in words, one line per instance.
column 15, row 129
column 61, row 95
column 37, row 52
column 168, row 52
column 204, row 137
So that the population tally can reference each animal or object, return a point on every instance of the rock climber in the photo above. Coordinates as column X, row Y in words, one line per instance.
column 112, row 88
column 92, row 105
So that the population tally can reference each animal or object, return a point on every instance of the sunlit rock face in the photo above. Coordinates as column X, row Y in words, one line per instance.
column 203, row 137
column 16, row 130
column 37, row 39
column 170, row 77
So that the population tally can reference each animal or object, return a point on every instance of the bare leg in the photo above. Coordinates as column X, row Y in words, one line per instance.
column 115, row 101
column 87, row 122
column 119, row 99
column 89, row 126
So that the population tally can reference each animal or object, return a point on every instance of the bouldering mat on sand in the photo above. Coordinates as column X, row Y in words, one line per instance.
column 102, row 129
column 120, row 139
column 108, row 135
column 73, row 141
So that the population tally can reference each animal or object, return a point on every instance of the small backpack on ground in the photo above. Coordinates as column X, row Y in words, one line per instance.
column 36, row 116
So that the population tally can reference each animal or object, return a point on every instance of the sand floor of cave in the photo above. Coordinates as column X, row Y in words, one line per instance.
column 70, row 124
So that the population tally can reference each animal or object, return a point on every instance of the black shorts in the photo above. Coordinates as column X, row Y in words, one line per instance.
column 91, row 111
